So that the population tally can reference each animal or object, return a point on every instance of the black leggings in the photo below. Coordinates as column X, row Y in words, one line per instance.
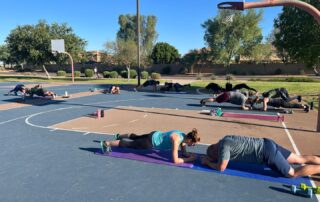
column 279, row 93
column 278, row 102
column 137, row 141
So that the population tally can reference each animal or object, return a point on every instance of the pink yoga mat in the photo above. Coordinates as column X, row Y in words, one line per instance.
column 254, row 116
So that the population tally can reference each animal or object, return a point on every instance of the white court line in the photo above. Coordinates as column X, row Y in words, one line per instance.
column 36, row 114
column 27, row 120
column 21, row 117
column 110, row 125
column 86, row 133
column 53, row 129
column 144, row 116
column 296, row 150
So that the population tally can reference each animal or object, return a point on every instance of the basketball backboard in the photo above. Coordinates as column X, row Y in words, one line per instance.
column 57, row 45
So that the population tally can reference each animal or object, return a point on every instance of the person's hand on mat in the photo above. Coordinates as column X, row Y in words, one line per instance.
column 186, row 154
column 192, row 157
column 204, row 160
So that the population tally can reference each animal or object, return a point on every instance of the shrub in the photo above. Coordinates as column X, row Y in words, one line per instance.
column 299, row 79
column 155, row 75
column 114, row 74
column 61, row 73
column 213, row 77
column 166, row 70
column 77, row 74
column 88, row 73
column 133, row 73
column 144, row 75
column 106, row 74
column 229, row 77
column 124, row 74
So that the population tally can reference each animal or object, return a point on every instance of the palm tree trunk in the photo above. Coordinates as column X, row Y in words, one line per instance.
column 45, row 70
column 128, row 72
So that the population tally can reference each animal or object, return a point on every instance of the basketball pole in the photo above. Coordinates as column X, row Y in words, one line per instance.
column 138, row 39
column 72, row 67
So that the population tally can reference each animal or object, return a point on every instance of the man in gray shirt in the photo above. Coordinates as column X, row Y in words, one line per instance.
column 259, row 151
column 233, row 97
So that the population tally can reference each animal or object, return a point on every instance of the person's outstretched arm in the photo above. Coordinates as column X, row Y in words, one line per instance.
column 175, row 138
column 220, row 166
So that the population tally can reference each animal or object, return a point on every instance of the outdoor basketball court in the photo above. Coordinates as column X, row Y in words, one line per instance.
column 49, row 148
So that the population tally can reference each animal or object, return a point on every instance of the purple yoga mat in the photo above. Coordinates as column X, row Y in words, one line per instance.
column 152, row 156
column 254, row 171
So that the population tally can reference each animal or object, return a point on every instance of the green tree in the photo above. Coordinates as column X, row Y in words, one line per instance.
column 4, row 55
column 124, row 52
column 148, row 34
column 164, row 53
column 232, row 33
column 261, row 53
column 197, row 57
column 32, row 43
column 298, row 35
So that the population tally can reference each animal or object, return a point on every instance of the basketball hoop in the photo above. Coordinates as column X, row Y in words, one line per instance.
column 232, row 5
column 228, row 19
column 54, row 53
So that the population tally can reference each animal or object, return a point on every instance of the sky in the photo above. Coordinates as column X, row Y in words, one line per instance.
column 96, row 21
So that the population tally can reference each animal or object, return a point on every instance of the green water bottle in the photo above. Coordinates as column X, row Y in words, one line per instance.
column 219, row 112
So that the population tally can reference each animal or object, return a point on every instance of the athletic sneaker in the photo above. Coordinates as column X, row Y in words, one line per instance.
column 117, row 136
column 306, row 108
column 104, row 148
column 299, row 98
column 202, row 103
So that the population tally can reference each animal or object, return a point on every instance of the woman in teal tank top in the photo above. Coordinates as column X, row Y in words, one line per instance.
column 170, row 140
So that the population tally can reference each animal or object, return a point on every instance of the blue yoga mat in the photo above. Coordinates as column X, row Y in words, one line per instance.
column 247, row 170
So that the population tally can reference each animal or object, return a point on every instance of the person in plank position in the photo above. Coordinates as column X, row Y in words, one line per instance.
column 39, row 91
column 259, row 151
column 170, row 140
column 233, row 97
column 18, row 88
column 281, row 93
column 151, row 82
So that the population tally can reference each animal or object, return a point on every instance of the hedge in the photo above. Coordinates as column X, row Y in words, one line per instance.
column 61, row 73
column 77, row 74
column 155, row 75
column 88, row 73
column 114, row 74
column 144, row 75
column 106, row 74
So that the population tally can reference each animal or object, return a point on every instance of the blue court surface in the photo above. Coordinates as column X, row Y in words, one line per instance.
column 40, row 164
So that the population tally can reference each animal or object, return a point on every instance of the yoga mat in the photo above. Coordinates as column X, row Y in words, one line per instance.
column 253, row 171
column 265, row 117
column 254, row 116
